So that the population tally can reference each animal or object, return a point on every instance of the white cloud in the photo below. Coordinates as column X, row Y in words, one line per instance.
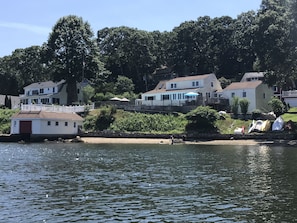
column 41, row 30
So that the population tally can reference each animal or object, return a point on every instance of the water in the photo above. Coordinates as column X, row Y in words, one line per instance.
column 147, row 183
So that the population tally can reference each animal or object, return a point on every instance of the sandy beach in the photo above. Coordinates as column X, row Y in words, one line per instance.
column 102, row 140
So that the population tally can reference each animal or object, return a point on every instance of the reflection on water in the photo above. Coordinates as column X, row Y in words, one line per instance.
column 147, row 183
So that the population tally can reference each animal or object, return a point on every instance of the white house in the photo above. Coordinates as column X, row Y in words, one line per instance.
column 49, row 92
column 42, row 123
column 178, row 91
column 256, row 92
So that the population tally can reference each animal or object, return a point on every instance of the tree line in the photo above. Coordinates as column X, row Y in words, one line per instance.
column 254, row 41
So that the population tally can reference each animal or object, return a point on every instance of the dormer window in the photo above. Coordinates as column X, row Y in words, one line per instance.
column 195, row 83
column 173, row 85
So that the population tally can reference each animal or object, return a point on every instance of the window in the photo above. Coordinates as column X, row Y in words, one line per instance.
column 197, row 83
column 232, row 94
column 53, row 90
column 48, row 123
column 44, row 100
column 41, row 91
column 165, row 97
column 264, row 96
column 244, row 94
column 174, row 97
column 66, row 123
column 74, row 124
column 57, row 123
column 211, row 84
column 193, row 84
column 35, row 92
column 150, row 98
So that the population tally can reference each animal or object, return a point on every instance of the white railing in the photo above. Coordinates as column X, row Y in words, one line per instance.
column 56, row 108
column 292, row 93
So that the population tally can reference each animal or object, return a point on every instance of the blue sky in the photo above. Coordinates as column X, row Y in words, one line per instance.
column 24, row 23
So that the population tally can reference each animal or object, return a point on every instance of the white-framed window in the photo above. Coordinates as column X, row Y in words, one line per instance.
column 48, row 123
column 244, row 94
column 57, row 123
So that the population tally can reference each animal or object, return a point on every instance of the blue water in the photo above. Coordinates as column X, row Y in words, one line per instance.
column 56, row 182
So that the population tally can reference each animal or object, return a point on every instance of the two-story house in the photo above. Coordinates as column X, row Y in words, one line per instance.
column 181, row 90
column 49, row 92
column 253, row 89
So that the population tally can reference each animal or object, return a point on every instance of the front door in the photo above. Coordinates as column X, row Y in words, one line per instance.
column 25, row 127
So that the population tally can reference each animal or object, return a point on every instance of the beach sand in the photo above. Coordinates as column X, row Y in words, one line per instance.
column 102, row 140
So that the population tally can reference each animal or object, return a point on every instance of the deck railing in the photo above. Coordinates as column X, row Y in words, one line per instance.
column 56, row 108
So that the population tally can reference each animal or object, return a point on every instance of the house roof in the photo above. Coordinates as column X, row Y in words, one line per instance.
column 252, row 75
column 45, row 84
column 189, row 78
column 161, row 86
column 47, row 115
column 243, row 85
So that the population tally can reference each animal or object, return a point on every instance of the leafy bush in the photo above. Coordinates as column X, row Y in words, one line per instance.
column 277, row 106
column 244, row 106
column 256, row 114
column 153, row 123
column 5, row 115
column 202, row 119
column 235, row 106
column 101, row 120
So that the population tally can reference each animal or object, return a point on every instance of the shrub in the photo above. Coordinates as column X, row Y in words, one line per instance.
column 277, row 106
column 256, row 114
column 153, row 123
column 244, row 106
column 202, row 118
column 235, row 106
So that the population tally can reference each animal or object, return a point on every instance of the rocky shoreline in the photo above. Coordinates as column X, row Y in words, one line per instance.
column 270, row 138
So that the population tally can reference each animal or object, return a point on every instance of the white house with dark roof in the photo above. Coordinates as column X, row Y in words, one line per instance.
column 49, row 92
column 42, row 123
column 178, row 91
column 256, row 92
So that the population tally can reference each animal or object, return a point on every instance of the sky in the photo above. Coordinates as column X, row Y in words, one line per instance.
column 24, row 23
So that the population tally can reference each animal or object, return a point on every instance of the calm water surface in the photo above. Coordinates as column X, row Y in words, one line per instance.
column 147, row 183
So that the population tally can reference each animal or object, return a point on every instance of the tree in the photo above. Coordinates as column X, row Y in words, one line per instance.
column 6, row 102
column 88, row 92
column 275, row 43
column 235, row 106
column 73, row 53
column 202, row 119
column 244, row 106
column 124, row 84
column 277, row 106
column 128, row 52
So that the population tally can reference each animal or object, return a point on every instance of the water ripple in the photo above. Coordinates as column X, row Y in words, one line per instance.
column 146, row 183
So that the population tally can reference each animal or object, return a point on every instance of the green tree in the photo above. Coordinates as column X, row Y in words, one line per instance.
column 88, row 93
column 275, row 43
column 202, row 119
column 73, row 53
column 244, row 106
column 235, row 106
column 128, row 52
column 124, row 84
column 277, row 106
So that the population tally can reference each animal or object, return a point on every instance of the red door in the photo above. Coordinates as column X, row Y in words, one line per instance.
column 25, row 127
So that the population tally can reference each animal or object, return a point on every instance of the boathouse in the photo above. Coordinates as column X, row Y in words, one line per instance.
column 43, row 123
